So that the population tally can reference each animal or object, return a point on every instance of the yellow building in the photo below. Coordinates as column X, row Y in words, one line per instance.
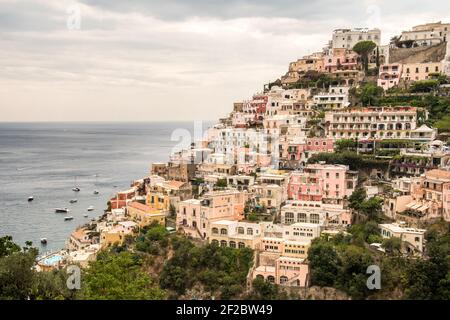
column 235, row 234
column 115, row 235
column 144, row 215
column 157, row 200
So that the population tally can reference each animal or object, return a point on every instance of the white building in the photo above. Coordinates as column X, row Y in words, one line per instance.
column 347, row 38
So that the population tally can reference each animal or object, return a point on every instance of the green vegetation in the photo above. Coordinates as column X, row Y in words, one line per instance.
column 221, row 183
column 369, row 208
column 18, row 279
column 342, row 261
column 369, row 94
column 119, row 276
column 340, row 265
column 345, row 145
column 424, row 86
column 220, row 271
column 364, row 48
column 352, row 159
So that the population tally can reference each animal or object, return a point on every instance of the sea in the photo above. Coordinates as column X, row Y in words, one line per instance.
column 47, row 160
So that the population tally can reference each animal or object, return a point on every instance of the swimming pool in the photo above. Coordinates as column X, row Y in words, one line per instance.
column 51, row 260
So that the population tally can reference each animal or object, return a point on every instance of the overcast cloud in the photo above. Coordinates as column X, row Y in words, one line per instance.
column 167, row 60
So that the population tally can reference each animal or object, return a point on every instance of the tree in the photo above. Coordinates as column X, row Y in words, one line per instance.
column 221, row 183
column 17, row 275
column 392, row 245
column 7, row 246
column 118, row 276
column 352, row 276
column 324, row 263
column 264, row 290
column 424, row 86
column 356, row 198
column 364, row 48
column 370, row 94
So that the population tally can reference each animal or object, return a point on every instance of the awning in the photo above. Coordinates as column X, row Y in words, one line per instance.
column 417, row 206
column 411, row 204
column 423, row 208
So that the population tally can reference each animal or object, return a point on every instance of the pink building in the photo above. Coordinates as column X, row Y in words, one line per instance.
column 389, row 75
column 318, row 182
column 195, row 215
column 340, row 59
column 286, row 271
column 302, row 151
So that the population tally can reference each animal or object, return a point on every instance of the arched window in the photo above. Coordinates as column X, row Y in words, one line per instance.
column 215, row 230
column 241, row 245
column 194, row 224
column 223, row 243
column 271, row 279
column 232, row 244
column 259, row 276
column 215, row 242
column 184, row 222
column 223, row 231
column 283, row 279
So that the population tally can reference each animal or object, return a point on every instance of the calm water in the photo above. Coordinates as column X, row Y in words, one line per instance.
column 43, row 160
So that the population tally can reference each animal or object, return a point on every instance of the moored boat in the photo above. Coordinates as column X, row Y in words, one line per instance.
column 44, row 240
column 90, row 208
column 61, row 210
column 73, row 201
column 68, row 218
column 30, row 199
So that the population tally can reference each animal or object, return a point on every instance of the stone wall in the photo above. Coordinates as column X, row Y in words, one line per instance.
column 434, row 53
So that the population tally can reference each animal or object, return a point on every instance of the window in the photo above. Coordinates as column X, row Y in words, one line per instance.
column 301, row 217
column 314, row 218
column 250, row 231
column 232, row 244
column 215, row 230
column 223, row 231
column 223, row 243
column 288, row 217
column 283, row 279
column 241, row 245
column 240, row 230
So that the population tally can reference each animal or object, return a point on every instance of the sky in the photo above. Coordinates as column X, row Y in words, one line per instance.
column 168, row 60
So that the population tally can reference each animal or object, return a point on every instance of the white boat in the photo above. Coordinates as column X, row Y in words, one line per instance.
column 30, row 199
column 75, row 188
column 73, row 201
column 68, row 218
column 90, row 208
column 96, row 192
column 85, row 215
column 44, row 240
column 59, row 210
